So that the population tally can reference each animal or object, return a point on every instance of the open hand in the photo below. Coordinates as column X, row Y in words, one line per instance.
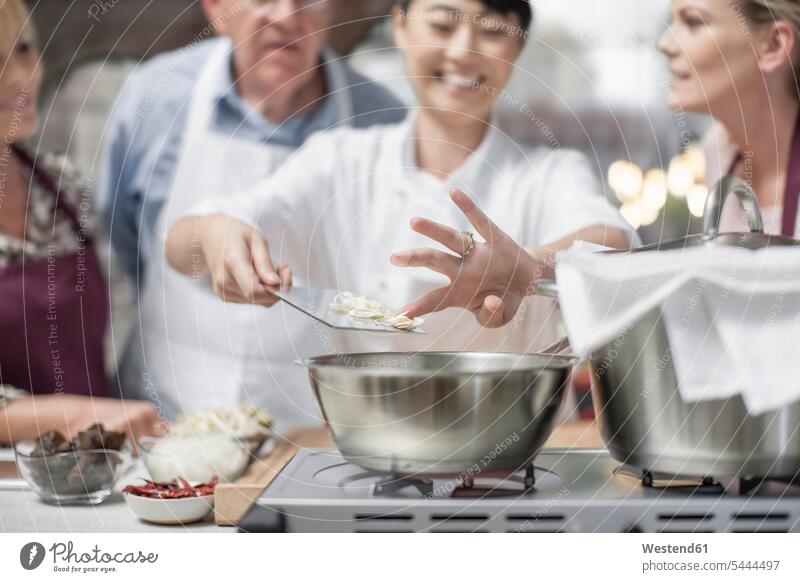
column 491, row 281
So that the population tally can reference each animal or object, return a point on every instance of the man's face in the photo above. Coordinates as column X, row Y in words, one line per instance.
column 277, row 42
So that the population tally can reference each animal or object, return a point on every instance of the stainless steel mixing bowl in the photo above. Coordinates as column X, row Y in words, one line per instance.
column 440, row 412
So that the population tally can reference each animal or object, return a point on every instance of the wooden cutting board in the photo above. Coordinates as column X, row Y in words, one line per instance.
column 232, row 500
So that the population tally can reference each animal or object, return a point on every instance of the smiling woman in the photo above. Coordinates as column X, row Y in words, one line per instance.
column 459, row 56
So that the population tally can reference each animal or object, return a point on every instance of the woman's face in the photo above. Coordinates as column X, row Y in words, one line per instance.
column 713, row 56
column 20, row 82
column 459, row 54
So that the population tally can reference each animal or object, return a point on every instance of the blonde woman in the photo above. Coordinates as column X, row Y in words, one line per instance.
column 54, row 308
column 739, row 62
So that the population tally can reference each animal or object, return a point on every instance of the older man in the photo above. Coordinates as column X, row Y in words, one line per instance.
column 227, row 111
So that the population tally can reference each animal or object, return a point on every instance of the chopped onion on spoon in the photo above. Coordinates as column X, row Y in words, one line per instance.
column 361, row 308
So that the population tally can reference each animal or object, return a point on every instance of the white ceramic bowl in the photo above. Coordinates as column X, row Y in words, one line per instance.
column 195, row 458
column 170, row 511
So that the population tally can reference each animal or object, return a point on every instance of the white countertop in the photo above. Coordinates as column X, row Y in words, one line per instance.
column 21, row 511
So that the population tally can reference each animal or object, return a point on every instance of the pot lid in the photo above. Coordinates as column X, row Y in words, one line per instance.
column 754, row 240
column 747, row 240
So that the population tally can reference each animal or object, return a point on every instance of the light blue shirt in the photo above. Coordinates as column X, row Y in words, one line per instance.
column 146, row 128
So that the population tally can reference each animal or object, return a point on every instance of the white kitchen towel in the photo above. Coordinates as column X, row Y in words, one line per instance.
column 732, row 315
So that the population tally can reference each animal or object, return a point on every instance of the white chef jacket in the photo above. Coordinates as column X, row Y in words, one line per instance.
column 341, row 205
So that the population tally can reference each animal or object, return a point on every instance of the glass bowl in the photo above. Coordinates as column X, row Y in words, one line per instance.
column 72, row 478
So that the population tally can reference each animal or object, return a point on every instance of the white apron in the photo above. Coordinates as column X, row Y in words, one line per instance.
column 193, row 350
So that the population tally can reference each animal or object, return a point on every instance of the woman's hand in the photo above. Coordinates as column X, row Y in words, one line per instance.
column 491, row 281
column 27, row 418
column 234, row 254
column 136, row 418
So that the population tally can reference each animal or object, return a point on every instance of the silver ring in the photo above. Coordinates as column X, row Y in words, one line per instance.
column 470, row 244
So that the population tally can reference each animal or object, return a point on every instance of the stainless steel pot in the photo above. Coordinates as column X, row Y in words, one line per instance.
column 439, row 412
column 643, row 418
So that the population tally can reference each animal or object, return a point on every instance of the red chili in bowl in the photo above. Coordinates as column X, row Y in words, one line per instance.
column 175, row 489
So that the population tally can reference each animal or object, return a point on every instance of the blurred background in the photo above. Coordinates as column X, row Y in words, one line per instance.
column 590, row 79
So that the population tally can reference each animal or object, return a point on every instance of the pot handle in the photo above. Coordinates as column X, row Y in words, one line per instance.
column 559, row 348
column 716, row 201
